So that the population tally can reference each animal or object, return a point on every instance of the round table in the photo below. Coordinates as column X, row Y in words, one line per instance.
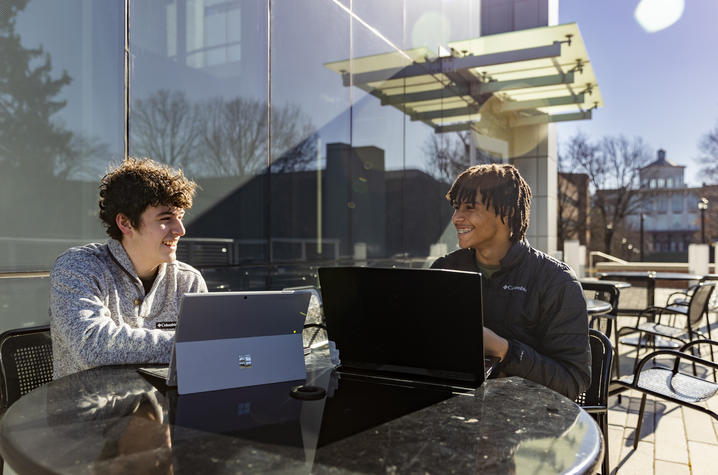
column 112, row 420
column 619, row 284
column 597, row 307
column 648, row 278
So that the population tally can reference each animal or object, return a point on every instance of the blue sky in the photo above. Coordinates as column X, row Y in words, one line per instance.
column 660, row 86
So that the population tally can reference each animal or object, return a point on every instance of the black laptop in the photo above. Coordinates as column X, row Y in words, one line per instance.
column 417, row 324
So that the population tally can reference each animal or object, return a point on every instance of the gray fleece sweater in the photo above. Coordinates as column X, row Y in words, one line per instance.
column 100, row 314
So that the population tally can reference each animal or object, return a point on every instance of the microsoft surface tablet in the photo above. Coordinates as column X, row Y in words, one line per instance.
column 234, row 339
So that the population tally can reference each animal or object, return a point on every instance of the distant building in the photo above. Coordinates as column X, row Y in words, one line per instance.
column 573, row 208
column 669, row 208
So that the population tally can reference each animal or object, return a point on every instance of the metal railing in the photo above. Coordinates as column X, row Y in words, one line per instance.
column 609, row 257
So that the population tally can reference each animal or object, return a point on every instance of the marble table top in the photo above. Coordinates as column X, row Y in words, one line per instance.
column 113, row 420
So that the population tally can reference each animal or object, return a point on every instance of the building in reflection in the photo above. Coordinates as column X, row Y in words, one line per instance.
column 352, row 210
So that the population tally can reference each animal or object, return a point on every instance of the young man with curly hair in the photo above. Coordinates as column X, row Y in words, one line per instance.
column 117, row 303
column 534, row 310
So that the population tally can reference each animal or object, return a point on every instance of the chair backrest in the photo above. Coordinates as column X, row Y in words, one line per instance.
column 608, row 293
column 25, row 362
column 698, row 305
column 713, row 302
column 596, row 396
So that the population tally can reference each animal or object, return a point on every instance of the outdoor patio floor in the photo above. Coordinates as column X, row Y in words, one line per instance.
column 674, row 440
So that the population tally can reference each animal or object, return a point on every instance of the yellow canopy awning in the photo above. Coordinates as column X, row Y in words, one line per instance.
column 534, row 76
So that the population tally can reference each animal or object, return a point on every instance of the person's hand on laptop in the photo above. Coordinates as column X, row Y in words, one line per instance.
column 494, row 345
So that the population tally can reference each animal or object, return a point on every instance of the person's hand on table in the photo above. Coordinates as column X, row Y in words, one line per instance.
column 494, row 345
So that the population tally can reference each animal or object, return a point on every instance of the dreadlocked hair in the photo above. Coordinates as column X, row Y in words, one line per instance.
column 138, row 183
column 500, row 187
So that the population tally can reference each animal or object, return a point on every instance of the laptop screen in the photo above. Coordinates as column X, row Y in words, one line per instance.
column 220, row 315
column 419, row 322
column 235, row 339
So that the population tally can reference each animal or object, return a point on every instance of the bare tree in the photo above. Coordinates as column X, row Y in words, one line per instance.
column 293, row 139
column 447, row 155
column 234, row 135
column 578, row 150
column 572, row 216
column 219, row 136
column 612, row 166
column 300, row 157
column 708, row 158
column 85, row 158
column 164, row 127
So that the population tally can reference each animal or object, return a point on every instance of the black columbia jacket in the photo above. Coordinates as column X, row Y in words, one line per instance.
column 536, row 303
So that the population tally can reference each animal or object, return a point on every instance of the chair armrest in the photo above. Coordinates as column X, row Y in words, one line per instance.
column 686, row 293
column 652, row 311
column 680, row 295
column 698, row 342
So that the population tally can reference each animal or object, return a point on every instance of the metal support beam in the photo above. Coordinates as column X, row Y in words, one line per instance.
column 536, row 103
column 450, row 91
column 440, row 129
column 546, row 118
column 449, row 63
column 540, row 81
column 477, row 89
column 428, row 115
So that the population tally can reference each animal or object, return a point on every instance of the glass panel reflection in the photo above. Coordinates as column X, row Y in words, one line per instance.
column 320, row 172
column 61, row 122
column 199, row 89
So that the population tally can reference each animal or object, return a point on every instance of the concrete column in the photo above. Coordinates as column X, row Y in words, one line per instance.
column 698, row 259
column 532, row 149
column 533, row 152
column 572, row 256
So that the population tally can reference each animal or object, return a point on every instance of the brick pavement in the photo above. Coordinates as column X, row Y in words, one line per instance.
column 674, row 440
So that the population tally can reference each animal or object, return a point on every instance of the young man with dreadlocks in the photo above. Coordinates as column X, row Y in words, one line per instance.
column 117, row 303
column 534, row 310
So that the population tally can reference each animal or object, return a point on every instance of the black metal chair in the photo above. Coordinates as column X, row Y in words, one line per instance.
column 25, row 364
column 683, row 297
column 654, row 327
column 605, row 323
column 595, row 399
column 670, row 382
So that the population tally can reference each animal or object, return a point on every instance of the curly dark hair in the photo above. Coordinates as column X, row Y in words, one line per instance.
column 502, row 187
column 138, row 183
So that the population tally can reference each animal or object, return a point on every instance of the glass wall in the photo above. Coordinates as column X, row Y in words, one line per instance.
column 61, row 123
column 299, row 167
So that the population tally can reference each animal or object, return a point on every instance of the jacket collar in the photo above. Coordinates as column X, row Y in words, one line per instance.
column 516, row 253
column 118, row 253
column 513, row 257
column 121, row 257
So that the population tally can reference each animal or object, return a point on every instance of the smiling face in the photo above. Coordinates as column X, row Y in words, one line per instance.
column 154, row 241
column 480, row 228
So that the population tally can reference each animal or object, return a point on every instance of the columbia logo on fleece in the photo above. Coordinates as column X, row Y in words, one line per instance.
column 515, row 287
column 166, row 325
